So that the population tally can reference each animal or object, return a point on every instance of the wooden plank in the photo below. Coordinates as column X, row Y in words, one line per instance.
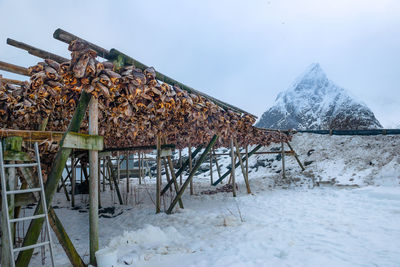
column 93, row 183
column 13, row 68
column 54, row 177
column 195, row 168
column 83, row 141
column 16, row 155
column 132, row 148
column 36, row 51
column 237, row 165
column 32, row 136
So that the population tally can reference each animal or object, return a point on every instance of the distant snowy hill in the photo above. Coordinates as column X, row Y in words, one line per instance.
column 315, row 102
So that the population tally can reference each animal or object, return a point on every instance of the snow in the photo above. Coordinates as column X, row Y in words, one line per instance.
column 354, row 222
column 312, row 101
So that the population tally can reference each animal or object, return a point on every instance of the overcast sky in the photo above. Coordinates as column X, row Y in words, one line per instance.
column 242, row 52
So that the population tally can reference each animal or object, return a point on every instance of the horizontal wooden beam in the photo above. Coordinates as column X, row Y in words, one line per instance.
column 32, row 136
column 13, row 68
column 289, row 152
column 167, row 146
column 83, row 141
column 36, row 51
column 11, row 81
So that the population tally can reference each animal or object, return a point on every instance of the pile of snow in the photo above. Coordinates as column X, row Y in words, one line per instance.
column 277, row 225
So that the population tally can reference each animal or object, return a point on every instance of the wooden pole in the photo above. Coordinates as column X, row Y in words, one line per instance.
column 216, row 163
column 115, row 181
column 36, row 51
column 180, row 171
column 190, row 169
column 64, row 239
column 296, row 157
column 93, row 182
column 247, row 161
column 211, row 168
column 140, row 168
column 104, row 174
column 54, row 177
column 283, row 161
column 171, row 167
column 197, row 165
column 167, row 173
column 158, row 181
column 245, row 177
column 180, row 166
column 237, row 165
column 73, row 180
column 13, row 68
column 233, row 168
column 98, row 181
column 12, row 81
column 127, row 176
column 118, row 169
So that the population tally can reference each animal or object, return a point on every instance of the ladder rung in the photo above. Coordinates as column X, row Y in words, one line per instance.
column 31, row 246
column 27, row 218
column 20, row 165
column 30, row 190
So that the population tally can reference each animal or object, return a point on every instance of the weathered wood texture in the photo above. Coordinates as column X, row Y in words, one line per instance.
column 53, row 179
column 195, row 168
column 93, row 182
column 36, row 51
column 14, row 68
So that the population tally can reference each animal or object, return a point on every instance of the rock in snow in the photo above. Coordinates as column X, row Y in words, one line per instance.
column 315, row 102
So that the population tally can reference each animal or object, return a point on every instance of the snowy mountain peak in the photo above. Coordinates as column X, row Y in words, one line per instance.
column 315, row 102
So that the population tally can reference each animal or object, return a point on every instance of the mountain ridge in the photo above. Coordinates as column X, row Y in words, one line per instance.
column 315, row 102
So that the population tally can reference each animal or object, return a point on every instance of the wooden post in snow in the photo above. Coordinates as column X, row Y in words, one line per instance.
column 118, row 168
column 190, row 169
column 233, row 168
column 211, row 168
column 245, row 177
column 73, row 179
column 283, row 161
column 171, row 167
column 140, row 168
column 158, row 181
column 127, row 176
column 93, row 182
column 180, row 166
column 247, row 161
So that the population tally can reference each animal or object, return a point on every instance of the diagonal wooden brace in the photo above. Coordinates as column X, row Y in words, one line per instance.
column 195, row 168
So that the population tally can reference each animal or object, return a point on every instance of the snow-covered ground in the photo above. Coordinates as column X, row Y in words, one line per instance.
column 277, row 225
